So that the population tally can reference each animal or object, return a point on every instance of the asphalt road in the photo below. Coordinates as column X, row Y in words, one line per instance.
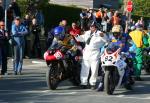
column 31, row 88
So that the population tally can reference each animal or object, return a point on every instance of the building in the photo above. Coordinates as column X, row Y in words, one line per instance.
column 88, row 3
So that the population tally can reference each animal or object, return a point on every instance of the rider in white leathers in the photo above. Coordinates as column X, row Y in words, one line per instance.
column 94, row 40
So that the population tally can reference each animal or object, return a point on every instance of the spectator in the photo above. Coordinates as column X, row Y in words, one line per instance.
column 105, row 21
column 1, row 12
column 74, row 30
column 137, row 37
column 142, row 22
column 40, row 18
column 27, row 23
column 83, row 19
column 3, row 48
column 105, row 12
column 36, row 30
column 18, row 33
column 131, row 22
column 110, row 14
column 63, row 23
column 137, row 23
column 115, row 20
column 124, row 18
column 99, row 16
column 91, row 16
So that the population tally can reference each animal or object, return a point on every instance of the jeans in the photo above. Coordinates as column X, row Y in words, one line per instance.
column 18, row 58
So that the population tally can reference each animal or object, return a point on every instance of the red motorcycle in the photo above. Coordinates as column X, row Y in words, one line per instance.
column 61, row 67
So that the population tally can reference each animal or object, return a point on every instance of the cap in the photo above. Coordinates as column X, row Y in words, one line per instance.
column 93, row 24
column 132, row 28
column 100, row 9
column 17, row 18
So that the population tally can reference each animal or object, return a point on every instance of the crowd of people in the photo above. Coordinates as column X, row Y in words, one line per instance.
column 15, row 39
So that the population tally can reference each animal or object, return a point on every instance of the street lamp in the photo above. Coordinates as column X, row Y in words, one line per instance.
column 6, row 4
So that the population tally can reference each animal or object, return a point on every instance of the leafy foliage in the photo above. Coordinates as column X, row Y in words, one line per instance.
column 141, row 8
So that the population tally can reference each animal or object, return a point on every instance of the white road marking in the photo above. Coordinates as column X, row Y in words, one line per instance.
column 120, row 96
column 38, row 62
column 50, row 93
column 148, row 97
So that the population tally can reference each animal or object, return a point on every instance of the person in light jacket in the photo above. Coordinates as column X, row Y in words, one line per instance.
column 18, row 33
column 94, row 40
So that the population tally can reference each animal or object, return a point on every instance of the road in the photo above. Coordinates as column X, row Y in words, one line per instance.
column 30, row 87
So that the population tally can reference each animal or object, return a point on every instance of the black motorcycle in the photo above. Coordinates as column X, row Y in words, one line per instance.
column 61, row 67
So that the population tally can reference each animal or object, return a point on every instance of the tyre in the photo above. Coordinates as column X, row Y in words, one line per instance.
column 53, row 77
column 109, row 83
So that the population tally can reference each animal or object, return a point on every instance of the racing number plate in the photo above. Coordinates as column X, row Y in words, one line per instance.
column 108, row 58
column 58, row 55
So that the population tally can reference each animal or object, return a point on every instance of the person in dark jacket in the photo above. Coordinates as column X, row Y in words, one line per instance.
column 36, row 30
column 27, row 23
column 3, row 48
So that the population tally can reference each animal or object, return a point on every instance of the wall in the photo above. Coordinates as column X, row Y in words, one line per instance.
column 79, row 3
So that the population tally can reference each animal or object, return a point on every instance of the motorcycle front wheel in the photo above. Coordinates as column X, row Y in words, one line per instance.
column 109, row 83
column 53, row 75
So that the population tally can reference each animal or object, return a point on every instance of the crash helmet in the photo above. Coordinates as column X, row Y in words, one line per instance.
column 117, row 30
column 59, row 32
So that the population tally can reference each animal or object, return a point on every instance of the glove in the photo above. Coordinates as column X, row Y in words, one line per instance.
column 63, row 49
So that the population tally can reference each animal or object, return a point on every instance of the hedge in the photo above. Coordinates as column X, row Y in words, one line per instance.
column 55, row 13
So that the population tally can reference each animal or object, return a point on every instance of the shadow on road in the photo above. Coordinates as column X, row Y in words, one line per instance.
column 140, row 87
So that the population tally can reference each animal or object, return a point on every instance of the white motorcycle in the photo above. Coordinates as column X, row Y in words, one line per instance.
column 113, row 66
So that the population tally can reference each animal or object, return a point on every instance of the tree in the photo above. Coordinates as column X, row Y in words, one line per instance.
column 141, row 8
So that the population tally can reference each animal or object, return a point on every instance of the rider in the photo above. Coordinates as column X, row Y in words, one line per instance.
column 62, row 41
column 117, row 40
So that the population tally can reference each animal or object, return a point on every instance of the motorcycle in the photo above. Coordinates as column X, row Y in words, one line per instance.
column 61, row 67
column 114, row 67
